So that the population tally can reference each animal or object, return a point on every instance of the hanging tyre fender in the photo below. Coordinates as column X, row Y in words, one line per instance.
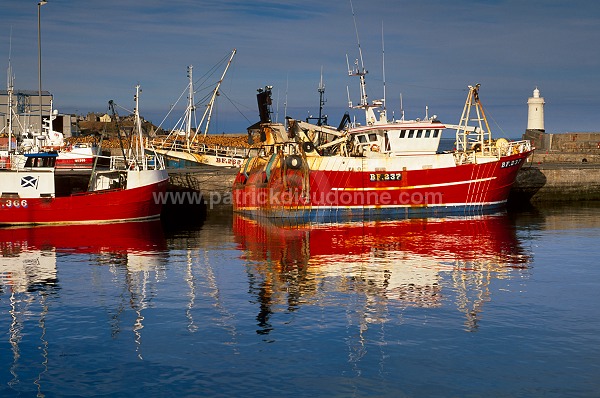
column 308, row 146
column 293, row 162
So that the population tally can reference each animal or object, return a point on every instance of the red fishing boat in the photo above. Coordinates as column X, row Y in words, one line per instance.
column 32, row 192
column 391, row 168
column 77, row 156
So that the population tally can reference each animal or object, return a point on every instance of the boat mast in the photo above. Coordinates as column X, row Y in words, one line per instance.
column 321, row 120
column 384, row 111
column 209, row 108
column 191, row 108
column 138, row 124
column 9, row 89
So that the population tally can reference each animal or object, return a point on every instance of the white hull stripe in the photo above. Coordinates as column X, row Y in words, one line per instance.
column 446, row 184
column 85, row 222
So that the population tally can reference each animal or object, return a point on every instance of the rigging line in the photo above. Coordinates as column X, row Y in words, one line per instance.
column 125, row 109
column 212, row 70
column 494, row 120
column 237, row 102
column 436, row 88
column 208, row 91
column 172, row 107
column 236, row 108
column 204, row 99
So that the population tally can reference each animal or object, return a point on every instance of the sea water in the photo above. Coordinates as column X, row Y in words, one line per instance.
column 505, row 305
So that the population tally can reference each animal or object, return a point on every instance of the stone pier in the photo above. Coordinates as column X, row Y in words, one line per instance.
column 557, row 182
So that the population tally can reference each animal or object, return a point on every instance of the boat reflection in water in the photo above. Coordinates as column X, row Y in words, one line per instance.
column 30, row 278
column 29, row 253
column 408, row 263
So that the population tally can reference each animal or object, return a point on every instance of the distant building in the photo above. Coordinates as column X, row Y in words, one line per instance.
column 105, row 118
column 92, row 117
column 26, row 106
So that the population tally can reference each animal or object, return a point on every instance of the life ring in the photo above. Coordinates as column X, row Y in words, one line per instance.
column 308, row 146
column 293, row 162
column 374, row 148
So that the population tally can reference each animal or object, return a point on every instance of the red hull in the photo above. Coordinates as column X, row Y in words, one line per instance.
column 90, row 207
column 427, row 191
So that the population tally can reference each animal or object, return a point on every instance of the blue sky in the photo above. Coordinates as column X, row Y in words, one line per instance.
column 95, row 51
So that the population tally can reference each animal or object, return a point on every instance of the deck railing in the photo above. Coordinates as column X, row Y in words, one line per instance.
column 201, row 148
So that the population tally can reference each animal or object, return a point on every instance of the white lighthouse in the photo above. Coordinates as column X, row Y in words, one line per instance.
column 535, row 117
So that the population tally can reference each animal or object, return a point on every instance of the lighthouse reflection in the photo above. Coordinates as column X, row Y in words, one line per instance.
column 378, row 265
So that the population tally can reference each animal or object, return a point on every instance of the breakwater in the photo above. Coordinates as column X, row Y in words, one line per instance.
column 564, row 168
column 557, row 182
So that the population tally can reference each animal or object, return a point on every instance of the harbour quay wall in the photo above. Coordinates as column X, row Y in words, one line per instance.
column 564, row 147
column 557, row 182
column 212, row 184
column 564, row 167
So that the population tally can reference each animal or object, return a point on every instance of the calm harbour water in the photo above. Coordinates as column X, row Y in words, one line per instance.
column 500, row 306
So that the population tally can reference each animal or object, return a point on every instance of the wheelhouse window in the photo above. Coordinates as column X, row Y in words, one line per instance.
column 372, row 137
column 419, row 133
column 411, row 133
column 427, row 133
column 436, row 133
column 402, row 133
column 362, row 139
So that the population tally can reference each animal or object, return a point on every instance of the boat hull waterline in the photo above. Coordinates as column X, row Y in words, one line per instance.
column 360, row 187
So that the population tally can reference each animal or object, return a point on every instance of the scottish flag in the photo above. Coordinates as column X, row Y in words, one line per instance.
column 29, row 181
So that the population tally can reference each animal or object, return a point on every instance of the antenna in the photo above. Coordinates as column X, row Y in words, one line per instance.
column 349, row 101
column 285, row 104
column 383, row 63
column 9, row 75
column 321, row 86
column 362, row 65
column 321, row 91
column 277, row 107
column 350, row 71
column 360, row 70
column 401, row 108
